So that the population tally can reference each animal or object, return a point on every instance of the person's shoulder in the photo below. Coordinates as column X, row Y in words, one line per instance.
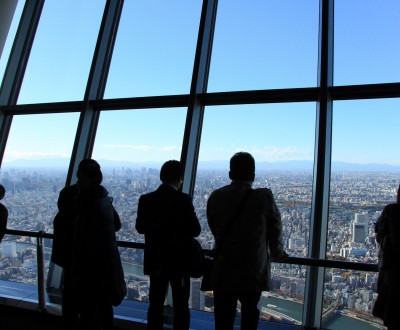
column 393, row 208
column 147, row 196
column 266, row 192
column 221, row 190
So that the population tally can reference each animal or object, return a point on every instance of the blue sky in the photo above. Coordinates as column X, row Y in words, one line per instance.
column 257, row 45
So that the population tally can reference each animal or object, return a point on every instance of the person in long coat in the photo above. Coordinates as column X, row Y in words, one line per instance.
column 387, row 228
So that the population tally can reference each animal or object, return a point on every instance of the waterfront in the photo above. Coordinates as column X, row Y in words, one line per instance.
column 337, row 321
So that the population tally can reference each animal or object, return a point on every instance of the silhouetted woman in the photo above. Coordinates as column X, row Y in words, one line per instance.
column 387, row 228
column 95, row 251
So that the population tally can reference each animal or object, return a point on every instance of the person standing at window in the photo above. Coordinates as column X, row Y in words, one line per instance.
column 96, row 264
column 63, row 241
column 387, row 229
column 245, row 246
column 167, row 219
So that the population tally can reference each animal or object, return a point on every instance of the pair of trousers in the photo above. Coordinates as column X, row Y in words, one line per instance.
column 180, row 285
column 225, row 303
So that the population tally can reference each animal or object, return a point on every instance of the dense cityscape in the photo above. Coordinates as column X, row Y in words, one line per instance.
column 356, row 200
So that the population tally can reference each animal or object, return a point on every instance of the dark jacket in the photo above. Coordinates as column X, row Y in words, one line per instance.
column 387, row 231
column 64, row 226
column 252, row 241
column 387, row 228
column 167, row 219
column 95, row 256
column 3, row 220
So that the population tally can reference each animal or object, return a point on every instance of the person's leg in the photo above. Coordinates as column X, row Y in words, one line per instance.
column 157, row 292
column 249, row 310
column 180, row 285
column 107, row 317
column 69, row 307
column 224, row 309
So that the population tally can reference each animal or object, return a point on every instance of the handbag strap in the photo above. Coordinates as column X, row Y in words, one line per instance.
column 234, row 218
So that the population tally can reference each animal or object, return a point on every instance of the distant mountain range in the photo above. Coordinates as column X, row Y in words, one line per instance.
column 205, row 165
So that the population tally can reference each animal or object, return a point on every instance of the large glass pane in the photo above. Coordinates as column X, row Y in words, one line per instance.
column 62, row 52
column 365, row 174
column 5, row 52
column 33, row 172
column 131, row 146
column 155, row 48
column 366, row 47
column 34, row 168
column 281, row 139
column 349, row 297
column 264, row 45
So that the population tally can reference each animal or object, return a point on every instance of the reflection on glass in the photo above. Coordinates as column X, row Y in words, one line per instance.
column 62, row 52
column 364, row 49
column 281, row 139
column 155, row 48
column 365, row 175
column 131, row 146
column 349, row 297
column 264, row 45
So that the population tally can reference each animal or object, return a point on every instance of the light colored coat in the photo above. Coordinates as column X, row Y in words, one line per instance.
column 252, row 240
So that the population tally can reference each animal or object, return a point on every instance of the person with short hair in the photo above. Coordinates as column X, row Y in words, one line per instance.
column 244, row 247
column 3, row 214
column 168, row 221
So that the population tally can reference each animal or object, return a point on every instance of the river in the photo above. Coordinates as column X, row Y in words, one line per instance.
column 289, row 308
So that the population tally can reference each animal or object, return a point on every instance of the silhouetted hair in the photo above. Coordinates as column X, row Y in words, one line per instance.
column 88, row 161
column 2, row 191
column 171, row 171
column 89, row 168
column 242, row 167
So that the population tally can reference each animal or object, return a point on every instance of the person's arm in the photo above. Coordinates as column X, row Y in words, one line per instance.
column 140, row 219
column 195, row 227
column 274, row 230
column 381, row 226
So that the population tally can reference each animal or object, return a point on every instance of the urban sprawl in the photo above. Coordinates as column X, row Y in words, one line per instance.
column 356, row 201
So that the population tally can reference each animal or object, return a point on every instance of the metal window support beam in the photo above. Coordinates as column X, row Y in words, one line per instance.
column 16, row 65
column 322, row 165
column 84, row 140
column 194, row 119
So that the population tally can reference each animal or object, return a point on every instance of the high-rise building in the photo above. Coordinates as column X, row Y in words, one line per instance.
column 358, row 232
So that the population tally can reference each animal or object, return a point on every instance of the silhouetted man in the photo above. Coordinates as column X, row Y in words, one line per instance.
column 245, row 248
column 167, row 219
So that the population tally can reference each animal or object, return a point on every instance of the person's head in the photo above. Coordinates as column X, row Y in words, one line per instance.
column 2, row 191
column 89, row 173
column 242, row 167
column 172, row 173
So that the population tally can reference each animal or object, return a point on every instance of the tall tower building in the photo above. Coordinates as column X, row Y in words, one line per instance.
column 360, row 227
column 358, row 233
